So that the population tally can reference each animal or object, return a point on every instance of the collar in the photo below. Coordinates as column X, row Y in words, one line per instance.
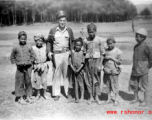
column 58, row 29
column 138, row 44
column 93, row 39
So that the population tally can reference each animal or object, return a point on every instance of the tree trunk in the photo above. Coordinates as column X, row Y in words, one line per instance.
column 41, row 17
column 133, row 25
column 9, row 21
column 33, row 16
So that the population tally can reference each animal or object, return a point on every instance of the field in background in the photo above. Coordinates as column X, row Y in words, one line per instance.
column 63, row 110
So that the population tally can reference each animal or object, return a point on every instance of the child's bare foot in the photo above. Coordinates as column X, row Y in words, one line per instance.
column 77, row 101
column 108, row 101
column 81, row 100
column 143, row 104
column 98, row 102
column 29, row 100
column 22, row 101
column 134, row 101
column 116, row 103
column 90, row 101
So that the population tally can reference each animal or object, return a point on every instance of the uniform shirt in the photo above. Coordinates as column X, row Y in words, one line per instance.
column 142, row 59
column 61, row 39
column 22, row 55
column 77, row 58
column 94, row 48
column 53, row 44
column 114, row 53
column 40, row 53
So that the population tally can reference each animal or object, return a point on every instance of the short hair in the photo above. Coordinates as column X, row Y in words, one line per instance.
column 91, row 26
column 78, row 40
column 22, row 33
column 111, row 38
column 39, row 36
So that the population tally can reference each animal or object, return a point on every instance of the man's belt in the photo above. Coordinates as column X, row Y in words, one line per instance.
column 64, row 50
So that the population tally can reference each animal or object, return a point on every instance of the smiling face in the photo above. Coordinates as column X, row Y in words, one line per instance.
column 39, row 42
column 139, row 38
column 22, row 40
column 62, row 22
column 78, row 46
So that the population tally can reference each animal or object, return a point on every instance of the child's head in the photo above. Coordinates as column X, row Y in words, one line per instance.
column 39, row 40
column 78, row 44
column 91, row 28
column 22, row 36
column 141, row 35
column 111, row 42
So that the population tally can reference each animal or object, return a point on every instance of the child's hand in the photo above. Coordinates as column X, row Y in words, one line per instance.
column 74, row 70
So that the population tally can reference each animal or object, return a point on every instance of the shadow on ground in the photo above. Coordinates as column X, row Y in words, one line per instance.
column 126, row 96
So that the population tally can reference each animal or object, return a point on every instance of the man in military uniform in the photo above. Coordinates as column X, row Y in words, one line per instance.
column 58, row 49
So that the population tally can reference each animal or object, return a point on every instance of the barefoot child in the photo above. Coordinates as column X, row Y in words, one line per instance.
column 111, row 69
column 142, row 62
column 76, row 60
column 40, row 65
column 23, row 56
column 94, row 55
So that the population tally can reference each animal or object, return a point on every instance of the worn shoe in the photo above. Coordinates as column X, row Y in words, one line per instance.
column 56, row 98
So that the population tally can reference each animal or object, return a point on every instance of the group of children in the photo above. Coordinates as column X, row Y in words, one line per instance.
column 86, row 61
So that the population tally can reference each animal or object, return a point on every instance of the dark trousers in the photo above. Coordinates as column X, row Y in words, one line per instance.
column 23, row 84
column 79, row 83
column 93, row 76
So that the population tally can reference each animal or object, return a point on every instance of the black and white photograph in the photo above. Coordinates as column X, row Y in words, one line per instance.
column 75, row 59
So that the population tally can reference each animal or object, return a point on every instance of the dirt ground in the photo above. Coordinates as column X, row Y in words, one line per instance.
column 51, row 110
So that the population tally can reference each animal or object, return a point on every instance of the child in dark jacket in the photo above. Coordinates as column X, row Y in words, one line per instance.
column 142, row 62
column 23, row 56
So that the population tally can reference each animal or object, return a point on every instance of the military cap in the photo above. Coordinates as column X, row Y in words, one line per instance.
column 60, row 14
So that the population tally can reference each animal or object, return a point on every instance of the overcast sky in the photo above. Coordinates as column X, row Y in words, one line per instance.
column 141, row 1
